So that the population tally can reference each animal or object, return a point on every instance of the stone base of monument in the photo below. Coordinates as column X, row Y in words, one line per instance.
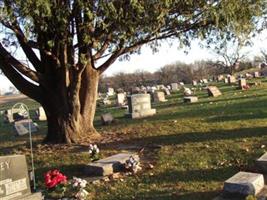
column 262, row 163
column 190, row 99
column 34, row 196
column 243, row 184
column 108, row 166
column 141, row 114
column 262, row 195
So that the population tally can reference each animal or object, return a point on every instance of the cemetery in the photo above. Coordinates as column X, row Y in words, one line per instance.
column 180, row 116
column 213, row 149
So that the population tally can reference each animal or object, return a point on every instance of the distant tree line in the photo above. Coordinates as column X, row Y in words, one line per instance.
column 176, row 72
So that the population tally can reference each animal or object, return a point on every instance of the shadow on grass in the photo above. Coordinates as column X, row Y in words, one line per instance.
column 201, row 175
column 238, row 108
column 174, row 139
column 175, row 195
column 175, row 177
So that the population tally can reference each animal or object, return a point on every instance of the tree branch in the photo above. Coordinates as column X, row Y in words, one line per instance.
column 19, row 81
column 8, row 58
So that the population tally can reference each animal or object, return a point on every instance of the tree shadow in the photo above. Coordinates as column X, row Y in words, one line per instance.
column 175, row 178
column 238, row 108
column 191, row 137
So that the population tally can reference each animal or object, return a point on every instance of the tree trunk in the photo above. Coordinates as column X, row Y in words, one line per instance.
column 70, row 120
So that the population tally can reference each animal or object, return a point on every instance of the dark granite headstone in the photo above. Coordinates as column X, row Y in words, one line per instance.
column 14, row 179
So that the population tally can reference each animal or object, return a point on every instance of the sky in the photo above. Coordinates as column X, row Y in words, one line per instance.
column 149, row 61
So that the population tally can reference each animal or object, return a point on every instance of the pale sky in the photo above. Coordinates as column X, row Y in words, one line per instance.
column 167, row 54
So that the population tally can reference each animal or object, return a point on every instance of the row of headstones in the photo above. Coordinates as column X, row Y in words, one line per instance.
column 144, row 89
column 10, row 116
column 139, row 105
column 15, row 181
column 244, row 184
column 213, row 91
column 176, row 86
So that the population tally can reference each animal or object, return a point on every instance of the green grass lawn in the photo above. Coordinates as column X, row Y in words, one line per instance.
column 201, row 145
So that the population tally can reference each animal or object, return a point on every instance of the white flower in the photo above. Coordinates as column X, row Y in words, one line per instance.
column 93, row 149
column 83, row 183
column 78, row 182
column 82, row 194
column 132, row 165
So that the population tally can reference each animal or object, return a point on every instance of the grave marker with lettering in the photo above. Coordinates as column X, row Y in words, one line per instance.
column 14, row 179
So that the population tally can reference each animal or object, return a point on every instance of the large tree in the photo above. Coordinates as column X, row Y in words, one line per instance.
column 64, row 40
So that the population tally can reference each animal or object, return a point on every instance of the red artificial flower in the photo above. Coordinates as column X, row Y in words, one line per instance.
column 53, row 178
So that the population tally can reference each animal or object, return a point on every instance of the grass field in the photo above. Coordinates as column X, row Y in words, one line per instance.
column 193, row 147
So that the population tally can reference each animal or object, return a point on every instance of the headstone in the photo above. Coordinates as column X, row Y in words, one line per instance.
column 187, row 92
column 22, row 127
column 213, row 91
column 256, row 74
column 242, row 83
column 135, row 90
column 181, row 83
column 220, row 78
column 194, row 83
column 205, row 81
column 166, row 91
column 231, row 79
column 107, row 119
column 8, row 117
column 174, row 86
column 121, row 97
column 140, row 106
column 40, row 113
column 244, row 184
column 190, row 99
column 110, row 92
column 159, row 97
column 120, row 90
column 160, row 87
column 262, row 163
column 110, row 165
column 14, row 179
column 18, row 116
column 248, row 75
column 106, row 101
column 226, row 80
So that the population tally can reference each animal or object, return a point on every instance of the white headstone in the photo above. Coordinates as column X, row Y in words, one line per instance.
column 140, row 106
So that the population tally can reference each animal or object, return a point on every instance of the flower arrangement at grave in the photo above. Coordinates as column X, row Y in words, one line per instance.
column 59, row 187
column 93, row 152
column 132, row 165
column 79, row 185
column 55, row 182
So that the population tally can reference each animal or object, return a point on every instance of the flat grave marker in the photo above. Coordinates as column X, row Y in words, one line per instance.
column 244, row 184
column 110, row 165
column 190, row 99
column 262, row 163
column 22, row 127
